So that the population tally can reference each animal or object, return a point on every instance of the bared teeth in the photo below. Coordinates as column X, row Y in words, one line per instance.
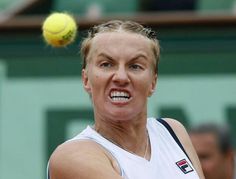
column 120, row 99
column 119, row 95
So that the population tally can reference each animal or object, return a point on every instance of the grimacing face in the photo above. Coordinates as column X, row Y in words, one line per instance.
column 120, row 75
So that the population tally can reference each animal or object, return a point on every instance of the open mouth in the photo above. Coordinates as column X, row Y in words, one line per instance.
column 119, row 96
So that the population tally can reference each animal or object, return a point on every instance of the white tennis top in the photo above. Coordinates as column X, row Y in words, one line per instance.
column 168, row 157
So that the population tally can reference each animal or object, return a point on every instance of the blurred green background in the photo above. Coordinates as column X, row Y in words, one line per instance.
column 42, row 101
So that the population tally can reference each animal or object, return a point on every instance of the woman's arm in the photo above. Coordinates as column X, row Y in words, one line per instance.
column 82, row 160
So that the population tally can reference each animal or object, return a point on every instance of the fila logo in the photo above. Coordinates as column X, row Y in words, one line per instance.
column 184, row 166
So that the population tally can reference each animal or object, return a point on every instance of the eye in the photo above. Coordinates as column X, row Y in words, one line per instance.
column 136, row 67
column 106, row 64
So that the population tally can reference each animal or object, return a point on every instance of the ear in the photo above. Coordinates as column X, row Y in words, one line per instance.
column 85, row 80
column 153, row 85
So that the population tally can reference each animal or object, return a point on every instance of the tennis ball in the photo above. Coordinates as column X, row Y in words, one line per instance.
column 59, row 29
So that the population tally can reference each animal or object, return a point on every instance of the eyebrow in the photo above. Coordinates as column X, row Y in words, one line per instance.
column 138, row 56
column 105, row 55
column 133, row 58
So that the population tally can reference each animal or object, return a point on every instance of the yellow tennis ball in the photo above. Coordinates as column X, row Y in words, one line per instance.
column 59, row 29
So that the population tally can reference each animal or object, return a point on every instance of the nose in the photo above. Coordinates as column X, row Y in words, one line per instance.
column 121, row 76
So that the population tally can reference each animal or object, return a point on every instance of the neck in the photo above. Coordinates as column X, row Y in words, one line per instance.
column 135, row 141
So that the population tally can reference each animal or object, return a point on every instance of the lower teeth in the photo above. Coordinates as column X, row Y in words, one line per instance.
column 119, row 99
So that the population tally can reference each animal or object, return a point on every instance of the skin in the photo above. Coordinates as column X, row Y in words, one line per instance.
column 215, row 164
column 124, row 62
column 130, row 71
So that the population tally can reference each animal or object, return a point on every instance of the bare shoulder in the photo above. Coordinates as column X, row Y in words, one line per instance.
column 181, row 133
column 179, row 129
column 81, row 159
column 185, row 140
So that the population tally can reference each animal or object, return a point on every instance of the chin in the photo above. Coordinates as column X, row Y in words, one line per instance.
column 122, row 115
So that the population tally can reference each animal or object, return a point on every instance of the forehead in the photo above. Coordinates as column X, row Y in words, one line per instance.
column 121, row 39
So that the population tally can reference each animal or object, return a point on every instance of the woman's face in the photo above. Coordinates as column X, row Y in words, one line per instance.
column 120, row 75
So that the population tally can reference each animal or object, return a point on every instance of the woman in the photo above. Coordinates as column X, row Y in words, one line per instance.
column 119, row 73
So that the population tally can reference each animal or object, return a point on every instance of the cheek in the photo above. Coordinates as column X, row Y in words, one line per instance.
column 148, row 84
column 96, row 78
column 97, row 82
column 143, row 88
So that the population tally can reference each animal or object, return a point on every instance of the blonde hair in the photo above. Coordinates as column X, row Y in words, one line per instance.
column 118, row 25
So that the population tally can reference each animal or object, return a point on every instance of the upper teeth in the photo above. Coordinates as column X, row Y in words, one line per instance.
column 121, row 94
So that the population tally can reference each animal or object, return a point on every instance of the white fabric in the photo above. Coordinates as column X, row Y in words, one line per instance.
column 164, row 156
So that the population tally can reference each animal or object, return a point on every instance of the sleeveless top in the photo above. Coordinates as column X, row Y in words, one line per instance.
column 168, row 157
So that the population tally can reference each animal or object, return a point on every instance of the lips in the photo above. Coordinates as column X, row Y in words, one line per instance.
column 119, row 96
